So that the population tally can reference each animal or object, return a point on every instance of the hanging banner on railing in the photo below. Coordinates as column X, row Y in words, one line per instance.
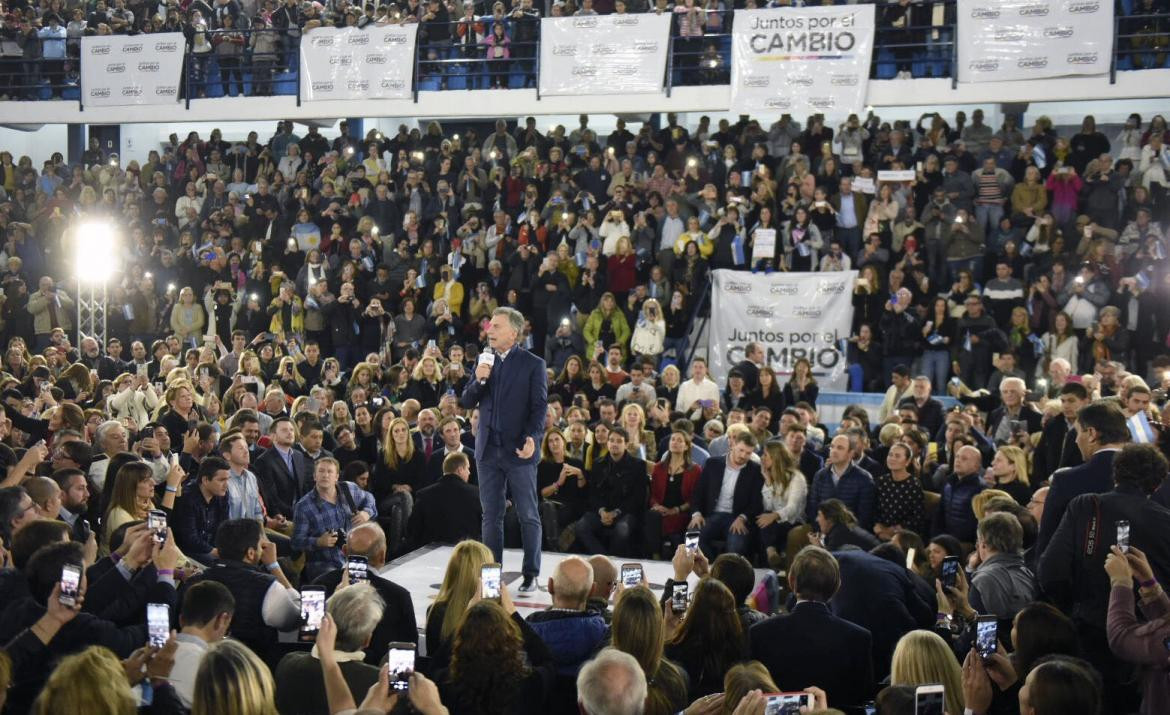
column 1024, row 39
column 801, row 60
column 603, row 54
column 793, row 315
column 358, row 63
column 120, row 70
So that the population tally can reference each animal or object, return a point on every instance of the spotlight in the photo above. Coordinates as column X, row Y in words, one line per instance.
column 95, row 252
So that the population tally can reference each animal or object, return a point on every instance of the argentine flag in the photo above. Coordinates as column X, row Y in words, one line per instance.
column 1140, row 429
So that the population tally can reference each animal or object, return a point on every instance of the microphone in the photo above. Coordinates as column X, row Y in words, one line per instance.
column 487, row 357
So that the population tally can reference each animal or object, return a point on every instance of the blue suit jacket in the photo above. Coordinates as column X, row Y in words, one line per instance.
column 1093, row 477
column 512, row 403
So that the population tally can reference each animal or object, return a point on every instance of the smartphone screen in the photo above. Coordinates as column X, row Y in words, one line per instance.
column 929, row 700
column 986, row 635
column 786, row 703
column 1123, row 535
column 158, row 624
column 156, row 521
column 490, row 575
column 950, row 571
column 312, row 611
column 631, row 575
column 693, row 539
column 70, row 584
column 400, row 664
column 358, row 567
column 678, row 597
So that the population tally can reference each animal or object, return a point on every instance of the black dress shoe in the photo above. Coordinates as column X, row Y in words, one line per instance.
column 528, row 585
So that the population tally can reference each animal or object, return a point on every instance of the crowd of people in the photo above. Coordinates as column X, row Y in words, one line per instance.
column 252, row 45
column 289, row 381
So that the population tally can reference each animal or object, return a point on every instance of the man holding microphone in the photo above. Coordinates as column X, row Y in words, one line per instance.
column 510, row 390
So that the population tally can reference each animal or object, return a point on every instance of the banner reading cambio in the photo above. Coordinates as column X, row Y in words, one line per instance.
column 1025, row 39
column 793, row 315
column 603, row 54
column 358, row 63
column 120, row 70
column 801, row 60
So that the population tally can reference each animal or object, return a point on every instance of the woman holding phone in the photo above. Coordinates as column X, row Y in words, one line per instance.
column 460, row 585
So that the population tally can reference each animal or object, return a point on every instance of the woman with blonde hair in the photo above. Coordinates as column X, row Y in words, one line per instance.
column 785, row 492
column 649, row 331
column 396, row 476
column 187, row 317
column 92, row 682
column 641, row 443
column 290, row 377
column 76, row 382
column 134, row 397
column 637, row 629
column 249, row 368
column 460, row 585
column 232, row 680
column 924, row 658
column 426, row 382
column 361, row 376
column 1009, row 472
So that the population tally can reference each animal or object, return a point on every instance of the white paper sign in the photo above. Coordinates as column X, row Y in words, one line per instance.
column 603, row 54
column 1033, row 39
column 120, row 70
column 358, row 63
column 764, row 244
column 864, row 184
column 793, row 315
column 907, row 175
column 801, row 60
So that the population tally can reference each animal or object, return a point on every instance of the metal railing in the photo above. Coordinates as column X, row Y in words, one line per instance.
column 463, row 55
column 249, row 63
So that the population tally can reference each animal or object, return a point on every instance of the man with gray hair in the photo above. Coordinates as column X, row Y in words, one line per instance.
column 300, row 683
column 1014, row 414
column 1002, row 584
column 611, row 684
column 511, row 391
column 571, row 631
column 110, row 437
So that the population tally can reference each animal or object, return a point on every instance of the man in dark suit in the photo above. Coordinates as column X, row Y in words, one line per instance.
column 811, row 645
column 1101, row 432
column 449, row 442
column 749, row 367
column 617, row 497
column 841, row 479
column 398, row 622
column 1058, row 440
column 426, row 438
column 511, row 391
column 796, row 439
column 449, row 510
column 728, row 498
column 880, row 596
column 281, row 471
column 1072, row 572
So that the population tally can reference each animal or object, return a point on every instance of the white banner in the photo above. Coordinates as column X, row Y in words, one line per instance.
column 358, row 63
column 119, row 70
column 793, row 315
column 801, row 60
column 1029, row 39
column 603, row 54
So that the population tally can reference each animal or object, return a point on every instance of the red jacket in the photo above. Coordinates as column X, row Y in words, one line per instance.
column 676, row 522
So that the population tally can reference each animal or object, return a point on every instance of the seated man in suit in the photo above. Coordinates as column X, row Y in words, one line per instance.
column 449, row 510
column 283, row 473
column 398, row 622
column 618, row 490
column 450, row 441
column 729, row 496
column 809, row 644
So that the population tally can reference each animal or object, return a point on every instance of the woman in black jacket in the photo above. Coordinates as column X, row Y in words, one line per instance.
column 838, row 528
column 499, row 665
column 768, row 394
column 397, row 477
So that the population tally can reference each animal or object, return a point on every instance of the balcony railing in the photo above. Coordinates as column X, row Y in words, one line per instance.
column 264, row 62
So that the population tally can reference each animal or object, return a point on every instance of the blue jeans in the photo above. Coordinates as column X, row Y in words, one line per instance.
column 936, row 364
column 849, row 238
column 497, row 478
column 988, row 216
column 718, row 527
